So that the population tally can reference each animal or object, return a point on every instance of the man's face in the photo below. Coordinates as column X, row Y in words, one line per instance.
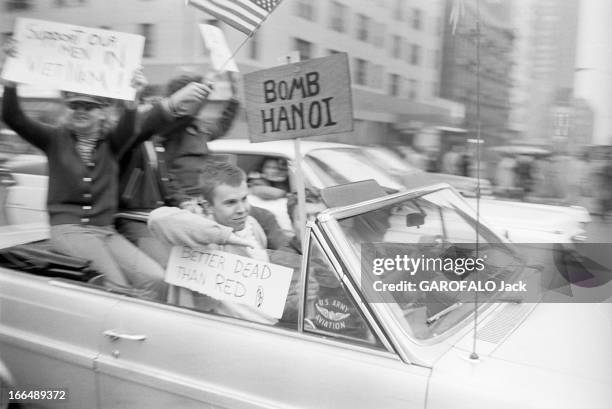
column 84, row 115
column 229, row 206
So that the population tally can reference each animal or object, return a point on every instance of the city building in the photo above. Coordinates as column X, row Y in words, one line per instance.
column 394, row 49
column 476, row 67
column 545, row 58
column 593, row 73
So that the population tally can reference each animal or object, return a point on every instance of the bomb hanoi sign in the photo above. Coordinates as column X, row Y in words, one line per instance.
column 75, row 58
column 307, row 98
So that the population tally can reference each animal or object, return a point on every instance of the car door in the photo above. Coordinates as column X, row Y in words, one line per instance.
column 161, row 356
column 49, row 335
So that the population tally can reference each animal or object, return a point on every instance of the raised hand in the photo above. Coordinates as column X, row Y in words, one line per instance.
column 189, row 99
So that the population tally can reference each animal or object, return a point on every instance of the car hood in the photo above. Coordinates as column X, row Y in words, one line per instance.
column 543, row 356
column 557, row 223
column 570, row 338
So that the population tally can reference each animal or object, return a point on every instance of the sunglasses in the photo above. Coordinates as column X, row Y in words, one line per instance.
column 86, row 106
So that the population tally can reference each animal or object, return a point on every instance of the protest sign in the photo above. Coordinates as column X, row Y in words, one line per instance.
column 220, row 54
column 74, row 58
column 308, row 98
column 230, row 277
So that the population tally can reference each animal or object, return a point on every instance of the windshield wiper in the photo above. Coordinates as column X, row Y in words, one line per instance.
column 442, row 313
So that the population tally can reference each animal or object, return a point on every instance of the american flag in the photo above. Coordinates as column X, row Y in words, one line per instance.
column 243, row 15
column 457, row 12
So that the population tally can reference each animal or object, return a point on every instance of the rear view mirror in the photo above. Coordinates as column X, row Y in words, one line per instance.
column 349, row 193
column 415, row 219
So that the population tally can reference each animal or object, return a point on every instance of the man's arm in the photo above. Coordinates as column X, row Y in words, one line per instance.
column 37, row 133
column 181, row 227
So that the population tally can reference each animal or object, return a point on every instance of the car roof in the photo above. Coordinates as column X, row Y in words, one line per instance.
column 282, row 147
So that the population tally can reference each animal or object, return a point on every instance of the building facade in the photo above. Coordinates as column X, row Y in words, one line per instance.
column 476, row 71
column 394, row 49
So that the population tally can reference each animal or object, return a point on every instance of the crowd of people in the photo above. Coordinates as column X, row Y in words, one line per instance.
column 150, row 154
column 538, row 175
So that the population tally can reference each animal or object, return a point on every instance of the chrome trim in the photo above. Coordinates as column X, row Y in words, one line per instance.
column 115, row 336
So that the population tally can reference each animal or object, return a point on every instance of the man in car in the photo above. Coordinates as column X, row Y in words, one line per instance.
column 223, row 194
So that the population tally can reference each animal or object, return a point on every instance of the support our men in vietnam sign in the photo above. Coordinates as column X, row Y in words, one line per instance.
column 308, row 98
column 74, row 58
column 230, row 277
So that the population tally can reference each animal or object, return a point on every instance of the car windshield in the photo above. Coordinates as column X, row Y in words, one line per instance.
column 343, row 165
column 434, row 226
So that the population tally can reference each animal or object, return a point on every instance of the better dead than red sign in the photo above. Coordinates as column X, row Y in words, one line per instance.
column 307, row 98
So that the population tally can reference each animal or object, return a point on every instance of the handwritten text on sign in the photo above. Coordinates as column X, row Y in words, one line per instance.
column 307, row 98
column 229, row 277
column 74, row 58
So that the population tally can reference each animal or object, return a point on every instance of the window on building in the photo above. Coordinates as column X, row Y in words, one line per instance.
column 254, row 45
column 399, row 10
column 337, row 17
column 332, row 52
column 375, row 76
column 437, row 59
column 417, row 19
column 360, row 71
column 396, row 47
column 304, row 48
column 305, row 9
column 413, row 89
column 378, row 34
column 69, row 3
column 146, row 30
column 394, row 85
column 415, row 54
column 11, row 5
column 363, row 27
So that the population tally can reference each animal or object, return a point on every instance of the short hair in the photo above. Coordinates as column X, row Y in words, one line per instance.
column 292, row 201
column 180, row 81
column 215, row 174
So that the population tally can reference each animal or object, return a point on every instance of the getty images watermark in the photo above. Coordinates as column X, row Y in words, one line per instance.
column 424, row 272
column 460, row 266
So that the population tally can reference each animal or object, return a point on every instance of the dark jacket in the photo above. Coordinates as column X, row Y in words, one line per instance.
column 78, row 192
column 180, row 154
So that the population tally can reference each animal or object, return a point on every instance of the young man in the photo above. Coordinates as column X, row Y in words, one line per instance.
column 226, row 226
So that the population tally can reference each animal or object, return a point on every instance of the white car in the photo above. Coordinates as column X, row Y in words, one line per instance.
column 324, row 164
column 327, row 164
column 344, row 347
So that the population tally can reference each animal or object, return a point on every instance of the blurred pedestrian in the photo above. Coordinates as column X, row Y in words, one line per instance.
column 450, row 160
column 505, row 174
column 523, row 175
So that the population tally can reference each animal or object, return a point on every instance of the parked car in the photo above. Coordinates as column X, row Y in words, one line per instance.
column 324, row 164
column 400, row 167
column 328, row 164
column 341, row 349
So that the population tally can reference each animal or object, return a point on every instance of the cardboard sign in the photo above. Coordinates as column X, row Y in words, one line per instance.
column 74, row 58
column 307, row 98
column 220, row 54
column 229, row 277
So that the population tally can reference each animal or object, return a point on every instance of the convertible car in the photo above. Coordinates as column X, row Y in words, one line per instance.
column 330, row 342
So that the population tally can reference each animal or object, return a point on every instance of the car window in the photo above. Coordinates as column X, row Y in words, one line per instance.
column 330, row 310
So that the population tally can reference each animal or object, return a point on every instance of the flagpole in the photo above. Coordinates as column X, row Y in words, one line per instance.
column 248, row 37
